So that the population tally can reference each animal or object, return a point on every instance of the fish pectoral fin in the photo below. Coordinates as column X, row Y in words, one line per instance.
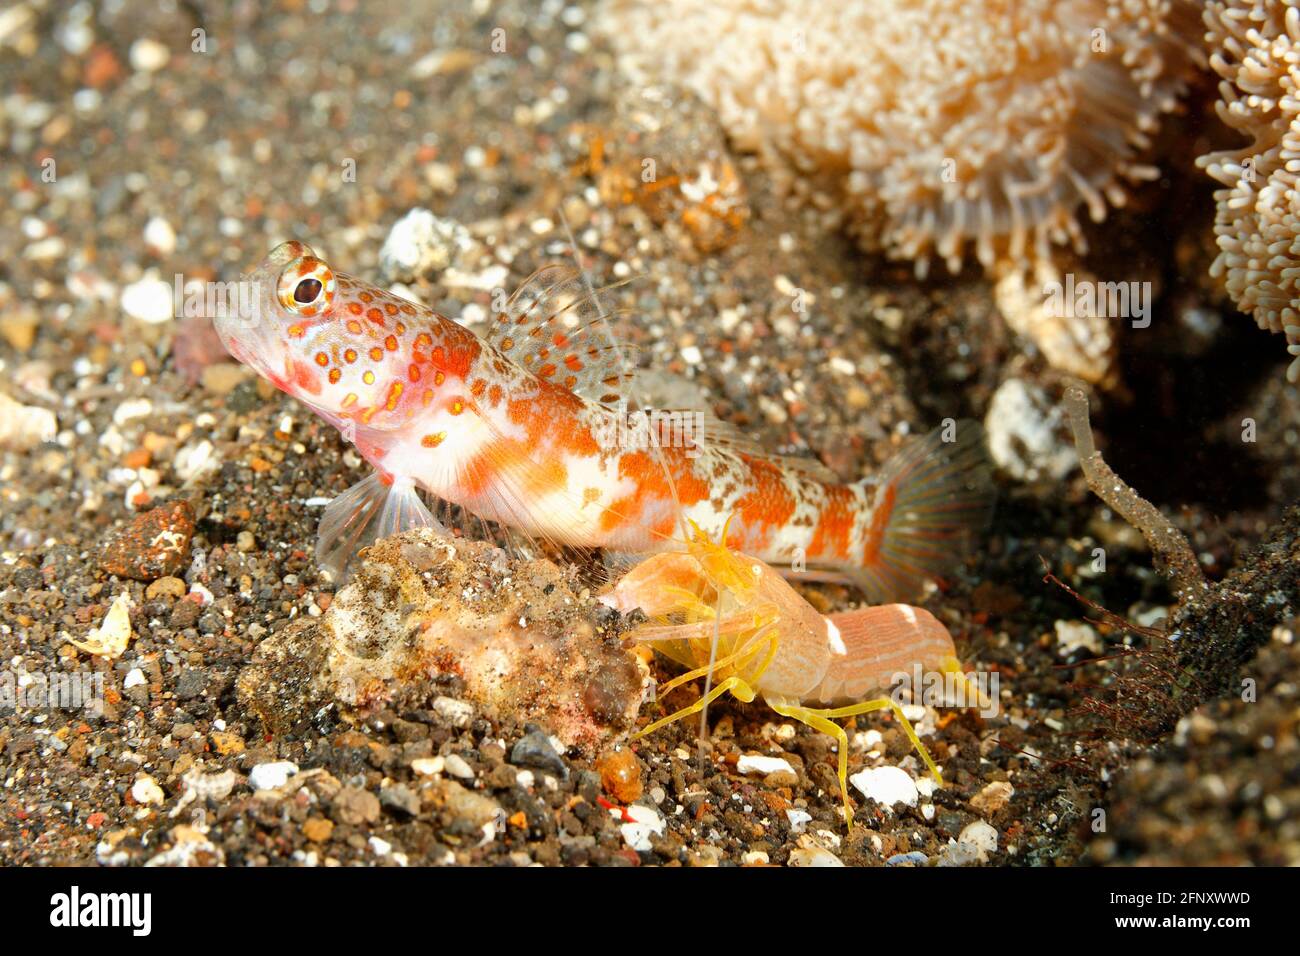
column 371, row 509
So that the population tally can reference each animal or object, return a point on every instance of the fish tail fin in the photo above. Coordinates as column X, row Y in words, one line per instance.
column 929, row 506
column 373, row 508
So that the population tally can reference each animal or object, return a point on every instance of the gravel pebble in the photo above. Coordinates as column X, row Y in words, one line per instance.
column 355, row 806
column 269, row 776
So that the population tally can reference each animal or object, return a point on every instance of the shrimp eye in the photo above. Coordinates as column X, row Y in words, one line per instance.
column 306, row 287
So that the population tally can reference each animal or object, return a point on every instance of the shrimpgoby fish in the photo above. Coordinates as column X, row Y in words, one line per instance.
column 525, row 427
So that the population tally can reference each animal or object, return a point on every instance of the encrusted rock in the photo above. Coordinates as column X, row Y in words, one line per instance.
column 517, row 634
column 155, row 544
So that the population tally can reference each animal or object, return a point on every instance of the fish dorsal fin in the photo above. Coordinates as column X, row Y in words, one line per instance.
column 554, row 327
column 724, row 434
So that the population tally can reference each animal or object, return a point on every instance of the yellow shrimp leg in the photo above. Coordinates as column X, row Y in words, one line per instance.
column 970, row 690
column 820, row 719
column 746, row 651
column 739, row 689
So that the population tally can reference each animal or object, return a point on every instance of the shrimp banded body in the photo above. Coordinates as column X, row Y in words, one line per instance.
column 525, row 427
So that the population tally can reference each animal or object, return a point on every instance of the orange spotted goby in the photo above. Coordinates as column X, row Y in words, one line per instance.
column 527, row 427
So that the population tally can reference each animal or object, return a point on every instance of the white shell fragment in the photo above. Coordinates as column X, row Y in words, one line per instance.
column 268, row 776
column 756, row 763
column 981, row 836
column 421, row 243
column 111, row 638
column 888, row 786
column 813, row 856
column 145, row 791
column 645, row 823
column 1024, row 433
column 798, row 819
column 149, row 300
column 1073, row 636
column 24, row 426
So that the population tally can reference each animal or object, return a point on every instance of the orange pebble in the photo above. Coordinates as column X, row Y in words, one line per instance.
column 620, row 775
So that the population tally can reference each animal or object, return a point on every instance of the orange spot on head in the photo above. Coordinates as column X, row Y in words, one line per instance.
column 408, row 309
column 376, row 353
column 439, row 378
column 356, row 309
column 335, row 375
column 353, row 325
column 434, row 440
column 349, row 355
column 390, row 308
column 322, row 359
column 374, row 315
column 423, row 340
column 413, row 372
column 546, row 371
column 574, row 363
column 427, row 398
column 390, row 343
column 297, row 330
column 394, row 393
column 457, row 407
column 349, row 399
column 366, row 297
column 368, row 377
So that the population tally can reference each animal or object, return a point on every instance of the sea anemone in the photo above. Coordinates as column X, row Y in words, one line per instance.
column 932, row 126
column 1255, row 48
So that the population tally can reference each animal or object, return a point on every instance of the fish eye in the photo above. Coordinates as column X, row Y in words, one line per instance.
column 306, row 287
column 305, row 292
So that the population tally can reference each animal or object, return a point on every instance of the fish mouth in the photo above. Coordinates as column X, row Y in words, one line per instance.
column 252, row 344
column 249, row 332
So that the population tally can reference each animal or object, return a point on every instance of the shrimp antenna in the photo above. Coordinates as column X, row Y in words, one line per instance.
column 659, row 459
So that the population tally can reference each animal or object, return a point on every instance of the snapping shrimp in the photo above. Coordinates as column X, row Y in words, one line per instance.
column 726, row 614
